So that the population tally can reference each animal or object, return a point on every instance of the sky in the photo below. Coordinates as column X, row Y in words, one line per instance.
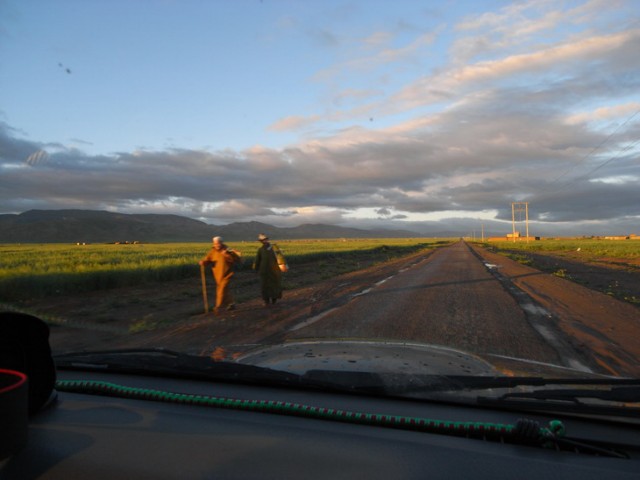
column 432, row 116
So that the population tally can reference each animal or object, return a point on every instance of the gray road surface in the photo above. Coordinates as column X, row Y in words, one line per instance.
column 449, row 299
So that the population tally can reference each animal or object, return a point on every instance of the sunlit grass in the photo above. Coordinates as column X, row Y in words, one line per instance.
column 589, row 248
column 35, row 270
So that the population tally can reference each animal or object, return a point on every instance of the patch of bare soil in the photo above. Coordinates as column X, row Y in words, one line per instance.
column 619, row 278
column 171, row 314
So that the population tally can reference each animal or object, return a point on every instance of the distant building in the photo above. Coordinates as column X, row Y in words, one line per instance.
column 633, row 236
column 512, row 237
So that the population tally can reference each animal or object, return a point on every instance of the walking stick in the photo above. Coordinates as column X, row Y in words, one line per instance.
column 204, row 289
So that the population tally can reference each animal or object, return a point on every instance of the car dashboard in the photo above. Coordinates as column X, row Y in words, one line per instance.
column 100, row 435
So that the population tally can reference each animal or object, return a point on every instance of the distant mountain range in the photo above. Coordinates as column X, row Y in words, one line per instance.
column 91, row 226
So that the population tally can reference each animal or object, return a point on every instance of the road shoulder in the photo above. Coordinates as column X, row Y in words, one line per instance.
column 591, row 320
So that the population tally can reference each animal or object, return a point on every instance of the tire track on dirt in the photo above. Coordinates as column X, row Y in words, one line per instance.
column 541, row 320
column 603, row 329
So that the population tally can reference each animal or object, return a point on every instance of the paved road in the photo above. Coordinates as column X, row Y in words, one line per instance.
column 451, row 299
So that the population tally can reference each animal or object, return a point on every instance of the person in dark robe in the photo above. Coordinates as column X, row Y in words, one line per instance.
column 268, row 269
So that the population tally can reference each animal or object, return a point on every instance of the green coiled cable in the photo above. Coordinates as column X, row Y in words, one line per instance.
column 524, row 431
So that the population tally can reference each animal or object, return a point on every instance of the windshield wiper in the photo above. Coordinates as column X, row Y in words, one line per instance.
column 614, row 394
column 605, row 396
column 416, row 383
column 614, row 400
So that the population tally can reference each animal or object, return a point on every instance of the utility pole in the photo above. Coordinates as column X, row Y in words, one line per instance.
column 520, row 207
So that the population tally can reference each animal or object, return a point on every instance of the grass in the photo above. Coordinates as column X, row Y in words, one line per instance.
column 590, row 248
column 586, row 249
column 39, row 270
column 523, row 259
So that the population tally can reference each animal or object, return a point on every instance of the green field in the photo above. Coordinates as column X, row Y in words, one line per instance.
column 36, row 270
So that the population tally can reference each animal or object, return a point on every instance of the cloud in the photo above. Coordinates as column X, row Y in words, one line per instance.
column 588, row 51
column 569, row 60
column 627, row 111
column 351, row 95
column 294, row 122
column 499, row 153
column 379, row 50
column 233, row 209
column 551, row 123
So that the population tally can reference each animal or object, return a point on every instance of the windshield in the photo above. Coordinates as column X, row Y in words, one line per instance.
column 420, row 194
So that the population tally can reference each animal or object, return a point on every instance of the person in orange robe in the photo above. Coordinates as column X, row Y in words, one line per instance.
column 222, row 258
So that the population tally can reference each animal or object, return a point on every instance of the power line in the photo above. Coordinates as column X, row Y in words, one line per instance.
column 627, row 148
column 595, row 149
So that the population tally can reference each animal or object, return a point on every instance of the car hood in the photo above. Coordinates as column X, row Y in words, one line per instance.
column 368, row 356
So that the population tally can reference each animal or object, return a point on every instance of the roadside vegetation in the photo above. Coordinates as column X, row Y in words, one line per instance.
column 40, row 270
column 588, row 248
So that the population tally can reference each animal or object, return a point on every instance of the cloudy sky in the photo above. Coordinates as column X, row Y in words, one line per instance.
column 434, row 116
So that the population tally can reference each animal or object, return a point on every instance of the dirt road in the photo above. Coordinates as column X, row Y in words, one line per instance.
column 459, row 296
